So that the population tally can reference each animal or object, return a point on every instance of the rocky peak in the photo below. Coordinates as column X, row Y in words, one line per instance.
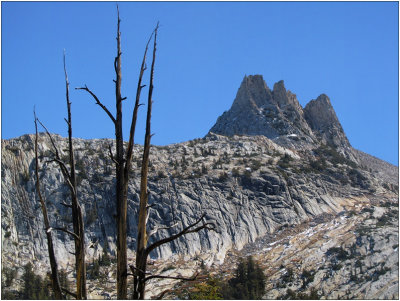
column 280, row 94
column 277, row 114
column 322, row 119
column 253, row 93
column 257, row 110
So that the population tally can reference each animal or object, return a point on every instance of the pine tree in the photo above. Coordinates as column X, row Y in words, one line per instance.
column 248, row 283
column 28, row 282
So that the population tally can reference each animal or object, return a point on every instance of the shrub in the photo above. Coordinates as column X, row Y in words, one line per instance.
column 204, row 169
column 8, row 275
column 338, row 252
column 255, row 164
column 291, row 295
column 330, row 152
column 383, row 220
column 223, row 177
column 161, row 174
column 307, row 277
column 318, row 165
column 209, row 290
column 235, row 172
column 284, row 162
column 336, row 266
column 288, row 276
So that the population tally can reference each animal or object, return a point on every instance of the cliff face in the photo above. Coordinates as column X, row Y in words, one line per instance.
column 322, row 119
column 249, row 186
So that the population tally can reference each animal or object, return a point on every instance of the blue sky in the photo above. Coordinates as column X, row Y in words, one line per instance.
column 347, row 50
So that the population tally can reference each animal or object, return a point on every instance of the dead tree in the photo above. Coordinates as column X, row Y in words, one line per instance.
column 143, row 249
column 77, row 216
column 50, row 247
column 122, row 163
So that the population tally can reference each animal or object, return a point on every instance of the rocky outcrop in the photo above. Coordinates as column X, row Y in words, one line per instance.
column 248, row 185
column 257, row 110
column 322, row 119
column 278, row 115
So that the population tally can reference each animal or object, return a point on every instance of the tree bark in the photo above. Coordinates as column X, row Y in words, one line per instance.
column 53, row 262
column 122, row 262
column 141, row 258
column 77, row 217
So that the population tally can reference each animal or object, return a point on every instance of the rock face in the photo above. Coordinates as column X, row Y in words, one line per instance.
column 257, row 110
column 249, row 186
column 322, row 119
column 278, row 115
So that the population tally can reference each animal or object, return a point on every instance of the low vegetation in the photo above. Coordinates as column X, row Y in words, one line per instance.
column 248, row 283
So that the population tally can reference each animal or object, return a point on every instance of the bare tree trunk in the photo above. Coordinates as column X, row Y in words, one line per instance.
column 141, row 259
column 143, row 250
column 77, row 217
column 122, row 262
column 53, row 262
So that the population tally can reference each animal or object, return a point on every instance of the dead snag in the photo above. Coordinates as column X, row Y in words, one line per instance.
column 53, row 262
column 122, row 162
column 143, row 250
column 77, row 216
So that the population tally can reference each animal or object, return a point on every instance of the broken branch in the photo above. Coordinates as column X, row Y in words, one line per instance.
column 66, row 231
column 68, row 292
column 187, row 230
column 171, row 277
column 98, row 102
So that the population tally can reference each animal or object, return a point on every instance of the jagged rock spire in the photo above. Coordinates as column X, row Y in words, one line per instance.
column 257, row 110
column 322, row 119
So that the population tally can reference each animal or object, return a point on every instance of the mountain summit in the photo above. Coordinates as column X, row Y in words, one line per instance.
column 277, row 114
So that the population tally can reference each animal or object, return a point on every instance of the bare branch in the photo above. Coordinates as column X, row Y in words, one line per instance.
column 111, row 155
column 98, row 102
column 66, row 231
column 187, row 230
column 156, row 229
column 171, row 277
column 135, row 112
column 116, row 66
column 134, row 269
column 57, row 159
column 64, row 171
column 66, row 205
column 68, row 292
column 51, row 138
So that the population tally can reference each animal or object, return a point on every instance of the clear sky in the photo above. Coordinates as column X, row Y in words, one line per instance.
column 347, row 50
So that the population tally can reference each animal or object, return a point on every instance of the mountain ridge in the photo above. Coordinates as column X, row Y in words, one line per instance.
column 249, row 184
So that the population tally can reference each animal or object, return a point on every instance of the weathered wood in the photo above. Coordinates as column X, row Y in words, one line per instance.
column 122, row 207
column 77, row 217
column 53, row 262
column 141, row 257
